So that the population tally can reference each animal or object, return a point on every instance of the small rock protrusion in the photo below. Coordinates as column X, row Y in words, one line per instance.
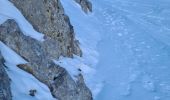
column 79, row 70
column 86, row 5
column 32, row 92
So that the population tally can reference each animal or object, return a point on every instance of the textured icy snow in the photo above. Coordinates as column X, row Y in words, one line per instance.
column 22, row 82
column 9, row 11
column 132, row 53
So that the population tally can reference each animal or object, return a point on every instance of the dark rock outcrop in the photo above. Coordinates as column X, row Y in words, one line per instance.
column 40, row 55
column 5, row 93
column 85, row 5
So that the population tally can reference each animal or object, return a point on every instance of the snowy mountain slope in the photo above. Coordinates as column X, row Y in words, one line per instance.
column 125, row 46
column 133, row 48
column 138, row 50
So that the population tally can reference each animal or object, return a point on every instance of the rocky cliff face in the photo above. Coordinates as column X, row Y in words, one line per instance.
column 48, row 17
column 5, row 93
column 40, row 55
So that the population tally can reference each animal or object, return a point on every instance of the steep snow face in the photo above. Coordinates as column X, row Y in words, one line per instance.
column 22, row 82
column 87, row 29
column 131, row 40
column 9, row 11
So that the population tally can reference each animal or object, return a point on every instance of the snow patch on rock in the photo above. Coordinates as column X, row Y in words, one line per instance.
column 9, row 11
column 22, row 82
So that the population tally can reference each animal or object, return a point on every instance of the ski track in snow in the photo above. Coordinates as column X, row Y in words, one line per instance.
column 133, row 39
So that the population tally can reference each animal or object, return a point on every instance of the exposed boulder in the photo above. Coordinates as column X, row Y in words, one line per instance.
column 5, row 92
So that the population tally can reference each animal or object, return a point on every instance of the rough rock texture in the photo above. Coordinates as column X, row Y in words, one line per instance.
column 85, row 5
column 5, row 93
column 40, row 55
column 48, row 17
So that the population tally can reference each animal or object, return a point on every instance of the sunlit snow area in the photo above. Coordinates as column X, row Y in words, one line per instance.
column 125, row 44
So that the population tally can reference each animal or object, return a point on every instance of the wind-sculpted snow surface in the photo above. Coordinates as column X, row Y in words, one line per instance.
column 134, row 48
